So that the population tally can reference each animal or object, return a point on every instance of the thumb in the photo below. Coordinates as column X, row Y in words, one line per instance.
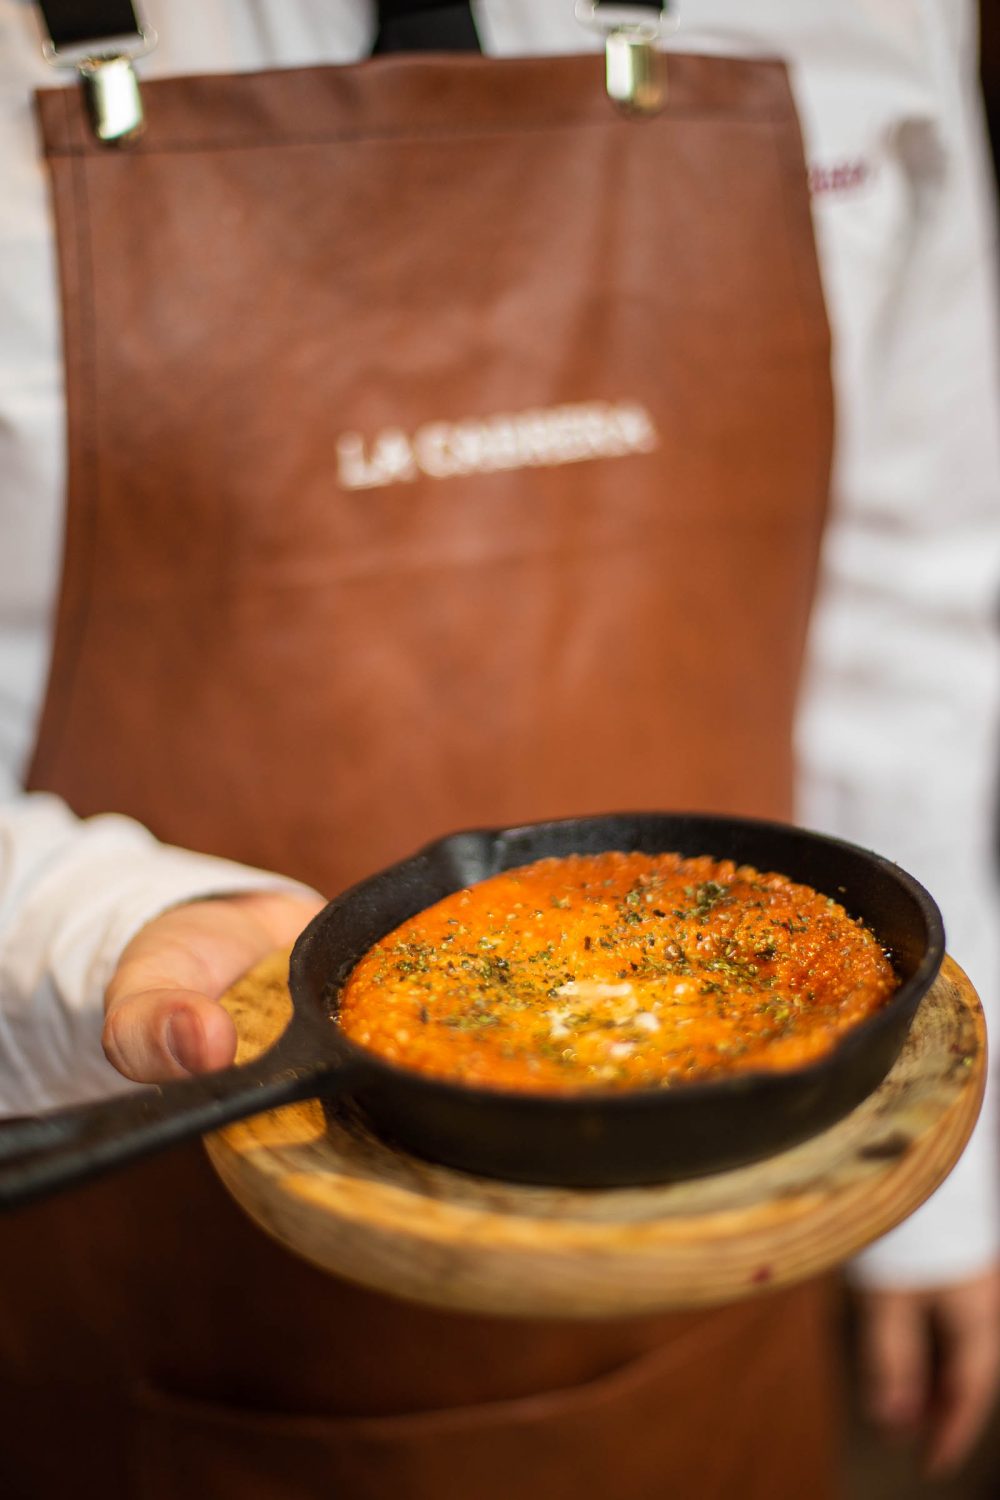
column 163, row 1019
column 968, row 1319
column 895, row 1360
column 157, row 1034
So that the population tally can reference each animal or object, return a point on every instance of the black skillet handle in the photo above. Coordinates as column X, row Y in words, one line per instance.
column 67, row 1147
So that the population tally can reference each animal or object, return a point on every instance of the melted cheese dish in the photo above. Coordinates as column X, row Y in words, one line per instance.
column 613, row 971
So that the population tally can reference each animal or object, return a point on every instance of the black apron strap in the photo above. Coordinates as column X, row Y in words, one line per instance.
column 73, row 23
column 112, row 89
column 440, row 26
column 403, row 25
column 425, row 26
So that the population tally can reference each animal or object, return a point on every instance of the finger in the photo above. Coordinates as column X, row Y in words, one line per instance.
column 895, row 1360
column 281, row 914
column 205, row 946
column 160, row 1020
column 967, row 1383
column 171, row 1033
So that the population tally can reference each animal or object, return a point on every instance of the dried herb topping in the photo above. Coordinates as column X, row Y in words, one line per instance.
column 614, row 971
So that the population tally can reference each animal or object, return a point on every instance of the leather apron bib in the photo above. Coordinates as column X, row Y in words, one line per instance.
column 444, row 450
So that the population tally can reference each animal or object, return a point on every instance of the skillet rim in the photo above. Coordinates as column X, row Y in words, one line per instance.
column 906, row 998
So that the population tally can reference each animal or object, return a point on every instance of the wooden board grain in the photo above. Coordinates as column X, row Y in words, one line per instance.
column 329, row 1190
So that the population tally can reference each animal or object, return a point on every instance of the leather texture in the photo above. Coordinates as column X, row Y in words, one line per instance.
column 258, row 658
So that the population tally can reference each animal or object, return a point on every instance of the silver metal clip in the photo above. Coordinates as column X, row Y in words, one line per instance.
column 635, row 68
column 114, row 102
column 110, row 86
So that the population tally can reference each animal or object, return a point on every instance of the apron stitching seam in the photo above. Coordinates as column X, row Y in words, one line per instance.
column 807, row 322
column 406, row 134
column 82, row 464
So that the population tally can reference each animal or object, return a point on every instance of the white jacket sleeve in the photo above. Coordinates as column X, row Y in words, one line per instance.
column 72, row 894
column 898, row 735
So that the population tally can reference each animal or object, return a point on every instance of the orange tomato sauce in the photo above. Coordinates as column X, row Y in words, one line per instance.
column 613, row 971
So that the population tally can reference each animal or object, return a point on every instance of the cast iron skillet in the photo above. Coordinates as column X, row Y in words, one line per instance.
column 590, row 1140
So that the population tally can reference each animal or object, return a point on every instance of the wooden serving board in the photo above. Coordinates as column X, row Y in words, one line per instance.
column 329, row 1190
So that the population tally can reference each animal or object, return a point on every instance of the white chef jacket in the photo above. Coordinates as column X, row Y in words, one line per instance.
column 897, row 733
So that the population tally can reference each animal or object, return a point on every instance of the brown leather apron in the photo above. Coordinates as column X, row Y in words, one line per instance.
column 444, row 450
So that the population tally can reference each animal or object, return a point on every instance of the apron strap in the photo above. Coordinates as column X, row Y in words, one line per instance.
column 75, row 23
column 100, row 40
column 403, row 25
column 636, row 78
column 635, row 70
column 448, row 25
column 425, row 26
